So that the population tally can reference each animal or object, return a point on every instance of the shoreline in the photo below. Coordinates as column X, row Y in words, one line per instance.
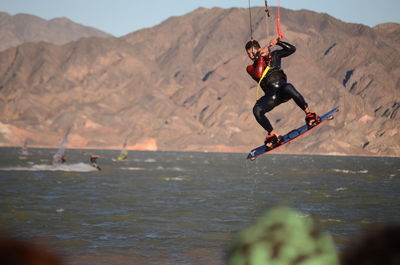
column 112, row 148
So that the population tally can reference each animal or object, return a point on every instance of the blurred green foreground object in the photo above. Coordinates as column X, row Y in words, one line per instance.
column 283, row 236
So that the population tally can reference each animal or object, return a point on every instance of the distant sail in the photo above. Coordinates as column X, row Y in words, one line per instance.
column 124, row 153
column 59, row 156
column 24, row 149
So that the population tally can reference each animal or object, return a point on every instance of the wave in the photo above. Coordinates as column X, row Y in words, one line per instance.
column 332, row 220
column 347, row 171
column 178, row 169
column 78, row 167
column 132, row 168
column 182, row 178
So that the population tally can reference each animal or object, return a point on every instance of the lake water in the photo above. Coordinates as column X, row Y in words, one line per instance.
column 183, row 208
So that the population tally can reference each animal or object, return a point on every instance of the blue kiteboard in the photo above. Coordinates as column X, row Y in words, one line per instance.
column 290, row 136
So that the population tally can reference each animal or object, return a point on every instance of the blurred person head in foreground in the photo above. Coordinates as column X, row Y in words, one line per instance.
column 18, row 252
column 377, row 245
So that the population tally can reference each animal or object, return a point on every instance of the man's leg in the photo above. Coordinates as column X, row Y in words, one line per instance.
column 287, row 92
column 262, row 106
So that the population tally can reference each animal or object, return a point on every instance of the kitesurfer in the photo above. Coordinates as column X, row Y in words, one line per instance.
column 266, row 70
column 93, row 161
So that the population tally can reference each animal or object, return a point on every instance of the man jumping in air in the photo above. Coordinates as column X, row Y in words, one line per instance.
column 266, row 70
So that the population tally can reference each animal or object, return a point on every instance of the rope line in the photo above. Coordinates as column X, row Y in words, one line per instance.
column 278, row 21
column 251, row 28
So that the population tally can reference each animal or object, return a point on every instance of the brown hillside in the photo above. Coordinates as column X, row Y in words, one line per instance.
column 21, row 28
column 182, row 85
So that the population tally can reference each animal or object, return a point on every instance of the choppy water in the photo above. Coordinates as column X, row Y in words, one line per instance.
column 183, row 208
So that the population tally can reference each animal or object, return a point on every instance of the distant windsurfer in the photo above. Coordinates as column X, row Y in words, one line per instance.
column 122, row 156
column 124, row 152
column 59, row 160
column 24, row 150
column 266, row 70
column 59, row 156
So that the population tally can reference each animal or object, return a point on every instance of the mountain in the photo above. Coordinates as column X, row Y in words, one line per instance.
column 21, row 28
column 182, row 85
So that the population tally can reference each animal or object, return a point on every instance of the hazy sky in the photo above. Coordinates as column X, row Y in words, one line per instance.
column 120, row 17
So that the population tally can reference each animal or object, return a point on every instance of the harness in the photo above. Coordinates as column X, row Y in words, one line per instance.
column 269, row 73
column 262, row 77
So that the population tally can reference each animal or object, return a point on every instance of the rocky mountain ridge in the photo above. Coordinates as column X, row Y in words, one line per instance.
column 22, row 28
column 182, row 85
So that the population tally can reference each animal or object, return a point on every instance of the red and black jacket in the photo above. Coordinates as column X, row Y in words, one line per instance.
column 273, row 59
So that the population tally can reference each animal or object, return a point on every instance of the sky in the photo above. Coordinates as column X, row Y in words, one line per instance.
column 120, row 17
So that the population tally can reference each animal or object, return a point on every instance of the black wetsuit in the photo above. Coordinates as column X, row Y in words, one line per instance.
column 93, row 159
column 275, row 87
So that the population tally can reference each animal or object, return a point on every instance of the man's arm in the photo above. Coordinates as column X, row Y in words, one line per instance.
column 277, row 55
column 287, row 50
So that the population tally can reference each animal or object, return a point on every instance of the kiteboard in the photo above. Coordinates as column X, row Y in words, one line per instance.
column 290, row 136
